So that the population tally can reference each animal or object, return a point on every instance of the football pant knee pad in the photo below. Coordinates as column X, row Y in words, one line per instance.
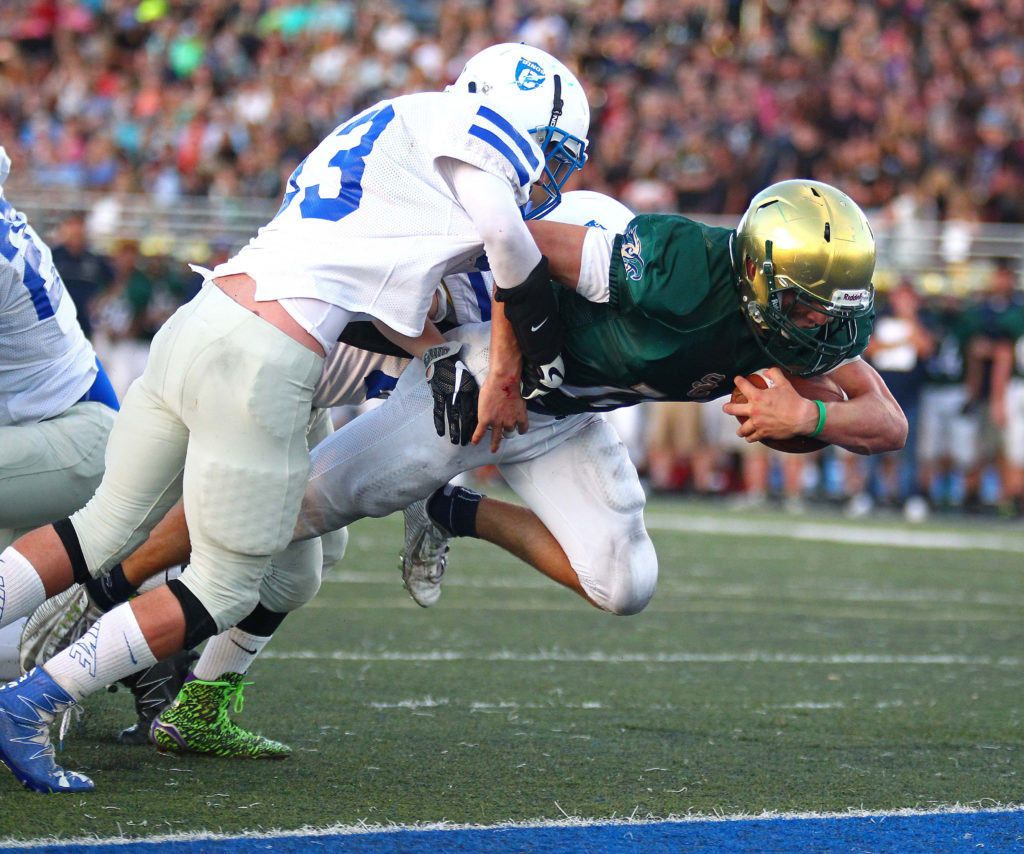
column 262, row 622
column 69, row 539
column 199, row 625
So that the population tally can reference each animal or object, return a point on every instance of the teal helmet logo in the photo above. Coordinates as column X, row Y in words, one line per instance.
column 529, row 74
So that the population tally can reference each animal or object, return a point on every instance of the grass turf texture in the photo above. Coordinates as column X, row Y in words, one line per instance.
column 769, row 673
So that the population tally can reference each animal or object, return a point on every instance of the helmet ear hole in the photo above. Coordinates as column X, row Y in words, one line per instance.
column 750, row 268
column 828, row 232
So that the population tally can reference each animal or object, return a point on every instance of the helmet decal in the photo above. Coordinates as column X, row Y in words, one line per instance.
column 529, row 74
column 541, row 98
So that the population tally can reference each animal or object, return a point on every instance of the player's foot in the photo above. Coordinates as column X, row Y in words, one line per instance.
column 425, row 555
column 197, row 722
column 154, row 690
column 56, row 624
column 27, row 708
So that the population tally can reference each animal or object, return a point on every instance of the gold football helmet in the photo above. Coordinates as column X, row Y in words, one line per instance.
column 805, row 242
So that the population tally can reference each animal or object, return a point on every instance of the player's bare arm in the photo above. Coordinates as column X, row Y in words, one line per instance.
column 501, row 407
column 562, row 244
column 413, row 346
column 869, row 421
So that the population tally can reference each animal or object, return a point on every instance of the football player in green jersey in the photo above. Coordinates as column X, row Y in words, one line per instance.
column 668, row 309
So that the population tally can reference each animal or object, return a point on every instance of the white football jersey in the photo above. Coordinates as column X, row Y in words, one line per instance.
column 352, row 376
column 369, row 224
column 46, row 362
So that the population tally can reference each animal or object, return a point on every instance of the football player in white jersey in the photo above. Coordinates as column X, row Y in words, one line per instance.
column 405, row 193
column 200, row 721
column 56, row 403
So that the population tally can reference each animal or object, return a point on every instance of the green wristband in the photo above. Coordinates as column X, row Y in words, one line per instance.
column 821, row 420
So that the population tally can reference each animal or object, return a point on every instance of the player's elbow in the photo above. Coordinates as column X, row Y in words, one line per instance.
column 888, row 432
column 892, row 430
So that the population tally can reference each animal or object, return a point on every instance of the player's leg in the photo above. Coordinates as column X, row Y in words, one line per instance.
column 47, row 471
column 583, row 526
column 389, row 457
column 246, row 403
column 63, row 619
column 50, row 469
column 199, row 720
column 1013, row 449
column 586, row 492
column 57, row 554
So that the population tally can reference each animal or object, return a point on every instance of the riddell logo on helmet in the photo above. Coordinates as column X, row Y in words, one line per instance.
column 529, row 75
column 860, row 297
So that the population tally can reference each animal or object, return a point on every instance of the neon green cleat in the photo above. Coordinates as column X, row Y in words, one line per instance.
column 197, row 722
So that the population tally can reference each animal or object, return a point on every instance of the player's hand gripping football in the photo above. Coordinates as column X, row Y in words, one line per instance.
column 455, row 392
column 776, row 409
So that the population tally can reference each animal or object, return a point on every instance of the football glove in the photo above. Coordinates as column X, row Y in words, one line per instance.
column 455, row 392
column 533, row 314
column 538, row 380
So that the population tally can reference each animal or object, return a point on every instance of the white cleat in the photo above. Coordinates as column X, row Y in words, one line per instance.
column 56, row 624
column 425, row 555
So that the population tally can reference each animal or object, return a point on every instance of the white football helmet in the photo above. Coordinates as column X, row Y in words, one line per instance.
column 591, row 208
column 541, row 97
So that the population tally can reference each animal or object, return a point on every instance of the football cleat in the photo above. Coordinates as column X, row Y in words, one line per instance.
column 197, row 722
column 425, row 556
column 154, row 690
column 56, row 624
column 27, row 708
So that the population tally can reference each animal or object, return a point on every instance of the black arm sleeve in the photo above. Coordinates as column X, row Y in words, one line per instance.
column 364, row 335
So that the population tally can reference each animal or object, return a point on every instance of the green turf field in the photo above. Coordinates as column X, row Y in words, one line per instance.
column 773, row 671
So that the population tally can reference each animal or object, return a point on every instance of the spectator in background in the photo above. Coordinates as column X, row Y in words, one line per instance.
column 673, row 438
column 120, row 316
column 85, row 273
column 946, row 445
column 1007, row 410
column 898, row 350
column 989, row 333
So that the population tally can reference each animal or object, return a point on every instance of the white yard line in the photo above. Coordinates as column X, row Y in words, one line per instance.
column 569, row 821
column 835, row 532
column 560, row 656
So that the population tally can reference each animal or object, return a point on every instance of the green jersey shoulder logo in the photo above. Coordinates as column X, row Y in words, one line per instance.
column 630, row 252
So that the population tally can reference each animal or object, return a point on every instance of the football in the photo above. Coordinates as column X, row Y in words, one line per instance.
column 813, row 388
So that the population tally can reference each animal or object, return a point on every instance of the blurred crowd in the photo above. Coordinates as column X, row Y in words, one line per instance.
column 912, row 107
column 696, row 103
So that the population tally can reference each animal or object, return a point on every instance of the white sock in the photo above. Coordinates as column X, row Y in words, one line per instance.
column 232, row 651
column 21, row 588
column 160, row 578
column 113, row 648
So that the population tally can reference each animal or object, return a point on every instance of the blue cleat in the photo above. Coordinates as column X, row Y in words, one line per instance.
column 27, row 708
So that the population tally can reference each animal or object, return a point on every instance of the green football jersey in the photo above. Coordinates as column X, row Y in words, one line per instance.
column 672, row 328
column 1011, row 324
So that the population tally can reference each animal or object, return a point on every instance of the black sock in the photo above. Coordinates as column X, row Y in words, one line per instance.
column 111, row 589
column 454, row 508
